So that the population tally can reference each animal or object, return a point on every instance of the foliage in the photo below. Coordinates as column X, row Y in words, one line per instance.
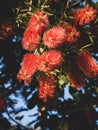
column 56, row 111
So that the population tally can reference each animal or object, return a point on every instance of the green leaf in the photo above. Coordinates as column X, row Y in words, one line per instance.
column 86, row 46
column 39, row 3
column 19, row 117
column 91, row 39
column 62, row 79
column 96, row 20
column 74, row 4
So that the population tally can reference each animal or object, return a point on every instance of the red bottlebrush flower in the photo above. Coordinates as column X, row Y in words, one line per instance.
column 50, row 60
column 30, row 40
column 38, row 22
column 71, row 33
column 84, row 15
column 76, row 78
column 47, row 87
column 2, row 103
column 87, row 64
column 46, row 91
column 54, row 37
column 29, row 67
column 36, row 26
column 7, row 28
column 48, row 78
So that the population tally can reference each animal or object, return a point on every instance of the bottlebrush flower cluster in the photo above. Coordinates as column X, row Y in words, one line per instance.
column 6, row 30
column 87, row 64
column 76, row 77
column 49, row 54
column 54, row 37
column 28, row 68
column 85, row 15
column 36, row 26
column 46, row 86
column 50, row 60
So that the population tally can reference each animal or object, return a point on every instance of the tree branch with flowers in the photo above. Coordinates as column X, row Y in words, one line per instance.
column 56, row 64
column 55, row 49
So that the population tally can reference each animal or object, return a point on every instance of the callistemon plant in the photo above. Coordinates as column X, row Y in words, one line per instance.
column 53, row 49
column 2, row 103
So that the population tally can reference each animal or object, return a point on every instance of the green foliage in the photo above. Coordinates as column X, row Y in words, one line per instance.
column 76, row 113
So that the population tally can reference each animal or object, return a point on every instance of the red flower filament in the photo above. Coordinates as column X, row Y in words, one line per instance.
column 50, row 60
column 85, row 15
column 29, row 67
column 30, row 40
column 47, row 87
column 38, row 22
column 36, row 26
column 71, row 33
column 54, row 37
column 87, row 64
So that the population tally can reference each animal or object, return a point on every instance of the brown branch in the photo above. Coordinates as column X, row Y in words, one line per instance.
column 26, row 128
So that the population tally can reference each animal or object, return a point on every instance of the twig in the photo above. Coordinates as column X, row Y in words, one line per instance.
column 30, row 3
column 43, row 5
column 26, row 128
